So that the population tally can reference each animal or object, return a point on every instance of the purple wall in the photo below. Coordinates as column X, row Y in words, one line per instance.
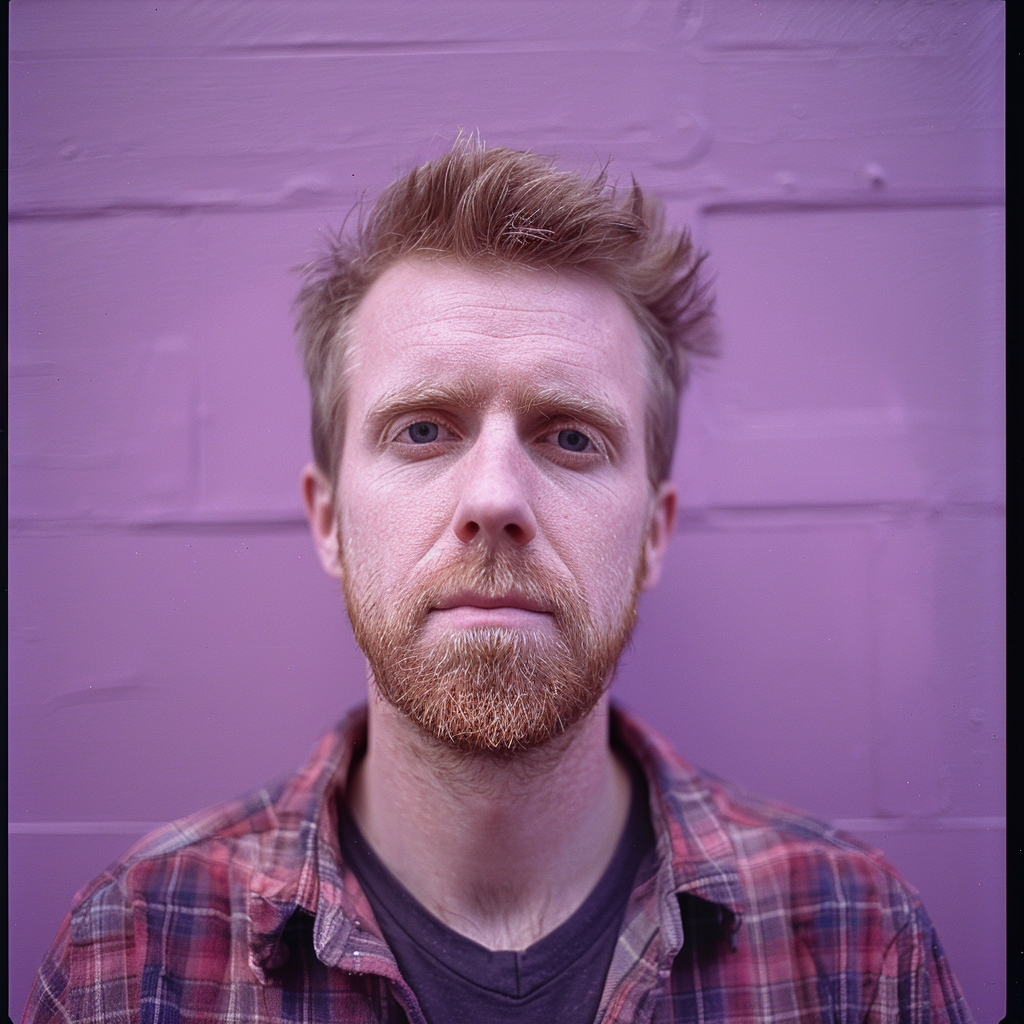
column 830, row 628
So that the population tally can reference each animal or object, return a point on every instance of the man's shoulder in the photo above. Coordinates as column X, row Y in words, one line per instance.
column 817, row 859
column 775, row 852
column 210, row 893
column 215, row 856
column 194, row 851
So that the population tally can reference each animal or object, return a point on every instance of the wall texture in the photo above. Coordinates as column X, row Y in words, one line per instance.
column 830, row 629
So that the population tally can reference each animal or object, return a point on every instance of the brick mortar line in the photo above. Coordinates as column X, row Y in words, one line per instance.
column 911, row 824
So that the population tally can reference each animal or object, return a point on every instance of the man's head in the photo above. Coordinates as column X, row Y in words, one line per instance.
column 488, row 491
column 484, row 207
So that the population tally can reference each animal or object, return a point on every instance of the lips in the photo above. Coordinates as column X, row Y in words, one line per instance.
column 469, row 599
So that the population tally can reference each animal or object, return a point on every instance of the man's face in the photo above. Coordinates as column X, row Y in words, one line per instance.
column 494, row 518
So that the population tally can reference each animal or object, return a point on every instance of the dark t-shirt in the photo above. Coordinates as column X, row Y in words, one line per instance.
column 560, row 978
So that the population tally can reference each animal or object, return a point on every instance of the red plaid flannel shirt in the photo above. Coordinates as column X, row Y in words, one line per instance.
column 746, row 912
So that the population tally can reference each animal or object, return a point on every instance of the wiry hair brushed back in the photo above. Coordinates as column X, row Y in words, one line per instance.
column 478, row 206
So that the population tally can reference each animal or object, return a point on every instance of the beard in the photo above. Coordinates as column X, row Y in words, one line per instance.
column 493, row 690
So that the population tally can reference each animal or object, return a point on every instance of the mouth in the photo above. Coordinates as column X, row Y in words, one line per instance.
column 469, row 599
column 514, row 611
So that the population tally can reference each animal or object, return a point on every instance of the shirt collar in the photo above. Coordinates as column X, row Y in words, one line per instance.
column 696, row 851
column 300, row 867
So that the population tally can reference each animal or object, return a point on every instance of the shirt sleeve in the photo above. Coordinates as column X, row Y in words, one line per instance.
column 917, row 985
column 51, row 983
column 89, row 976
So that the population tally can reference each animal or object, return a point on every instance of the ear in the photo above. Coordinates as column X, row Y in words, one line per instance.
column 659, row 531
column 319, row 501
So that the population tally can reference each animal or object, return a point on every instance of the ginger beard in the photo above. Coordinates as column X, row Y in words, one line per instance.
column 495, row 690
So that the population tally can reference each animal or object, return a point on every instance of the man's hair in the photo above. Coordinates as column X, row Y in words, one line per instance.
column 482, row 206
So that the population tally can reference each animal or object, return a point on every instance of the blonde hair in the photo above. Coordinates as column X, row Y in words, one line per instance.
column 478, row 205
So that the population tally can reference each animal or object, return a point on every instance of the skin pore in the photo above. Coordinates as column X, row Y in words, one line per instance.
column 492, row 414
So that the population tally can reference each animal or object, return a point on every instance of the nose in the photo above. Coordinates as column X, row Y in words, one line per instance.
column 493, row 502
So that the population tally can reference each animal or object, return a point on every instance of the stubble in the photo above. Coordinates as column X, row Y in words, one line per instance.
column 493, row 690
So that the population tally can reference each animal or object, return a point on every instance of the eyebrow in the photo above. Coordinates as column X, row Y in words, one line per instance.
column 553, row 401
column 548, row 400
column 411, row 397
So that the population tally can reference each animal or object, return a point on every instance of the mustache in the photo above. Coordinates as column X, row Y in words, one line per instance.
column 496, row 574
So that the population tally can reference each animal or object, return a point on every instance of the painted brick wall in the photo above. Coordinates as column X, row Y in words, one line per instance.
column 830, row 628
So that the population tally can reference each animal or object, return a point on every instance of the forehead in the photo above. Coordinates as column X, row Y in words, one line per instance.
column 429, row 321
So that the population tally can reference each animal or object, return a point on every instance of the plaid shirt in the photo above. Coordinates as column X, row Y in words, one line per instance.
column 246, row 913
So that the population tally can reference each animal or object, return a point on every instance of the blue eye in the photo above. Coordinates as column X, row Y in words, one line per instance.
column 423, row 432
column 573, row 441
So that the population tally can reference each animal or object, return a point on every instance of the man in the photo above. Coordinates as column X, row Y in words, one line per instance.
column 495, row 363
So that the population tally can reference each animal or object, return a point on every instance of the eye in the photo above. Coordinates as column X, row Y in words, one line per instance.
column 423, row 432
column 573, row 440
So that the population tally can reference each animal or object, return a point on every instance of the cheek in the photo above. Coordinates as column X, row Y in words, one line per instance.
column 606, row 555
column 386, row 529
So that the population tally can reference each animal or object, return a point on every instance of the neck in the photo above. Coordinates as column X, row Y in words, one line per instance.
column 502, row 850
